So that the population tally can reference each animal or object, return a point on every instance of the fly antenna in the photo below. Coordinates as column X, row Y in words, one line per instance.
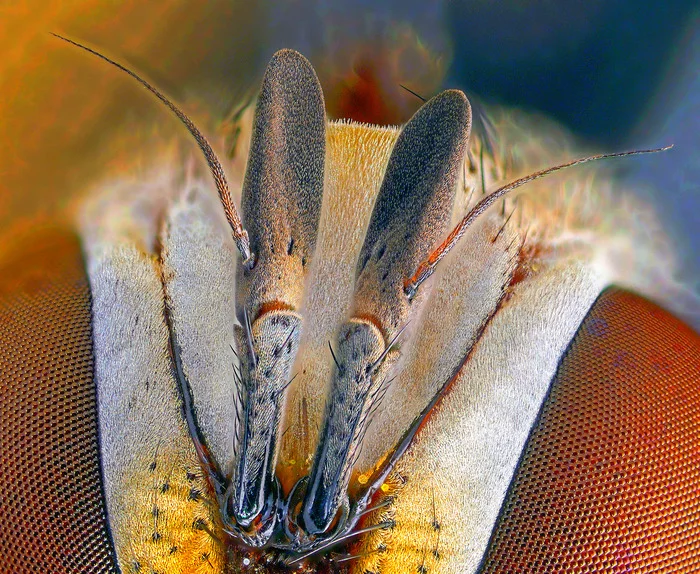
column 240, row 235
column 427, row 267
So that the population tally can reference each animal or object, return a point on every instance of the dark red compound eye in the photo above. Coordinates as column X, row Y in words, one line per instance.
column 610, row 478
column 53, row 512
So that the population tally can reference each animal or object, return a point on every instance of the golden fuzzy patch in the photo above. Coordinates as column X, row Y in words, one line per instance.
column 356, row 158
column 172, row 524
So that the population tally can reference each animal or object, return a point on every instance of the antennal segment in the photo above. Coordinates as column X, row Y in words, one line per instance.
column 240, row 235
column 427, row 267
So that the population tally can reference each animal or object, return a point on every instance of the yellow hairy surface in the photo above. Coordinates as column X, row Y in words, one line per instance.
column 356, row 157
column 169, row 518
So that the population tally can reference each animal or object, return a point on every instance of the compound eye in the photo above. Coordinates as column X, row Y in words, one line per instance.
column 48, row 428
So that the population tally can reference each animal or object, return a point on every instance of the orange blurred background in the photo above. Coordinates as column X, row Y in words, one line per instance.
column 67, row 118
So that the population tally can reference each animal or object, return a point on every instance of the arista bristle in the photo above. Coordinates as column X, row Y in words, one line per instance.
column 427, row 267
column 240, row 235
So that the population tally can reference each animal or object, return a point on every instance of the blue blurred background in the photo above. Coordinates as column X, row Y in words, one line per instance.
column 619, row 74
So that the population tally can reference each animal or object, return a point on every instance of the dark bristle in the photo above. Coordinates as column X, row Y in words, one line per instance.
column 505, row 223
column 335, row 359
column 410, row 91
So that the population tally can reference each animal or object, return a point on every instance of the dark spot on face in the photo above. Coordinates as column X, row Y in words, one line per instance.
column 290, row 246
column 191, row 476
column 136, row 566
column 199, row 524
column 422, row 569
column 173, row 549
column 155, row 512
column 205, row 557
column 436, row 554
column 194, row 494
column 152, row 466
column 155, row 537
column 303, row 261
column 165, row 487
